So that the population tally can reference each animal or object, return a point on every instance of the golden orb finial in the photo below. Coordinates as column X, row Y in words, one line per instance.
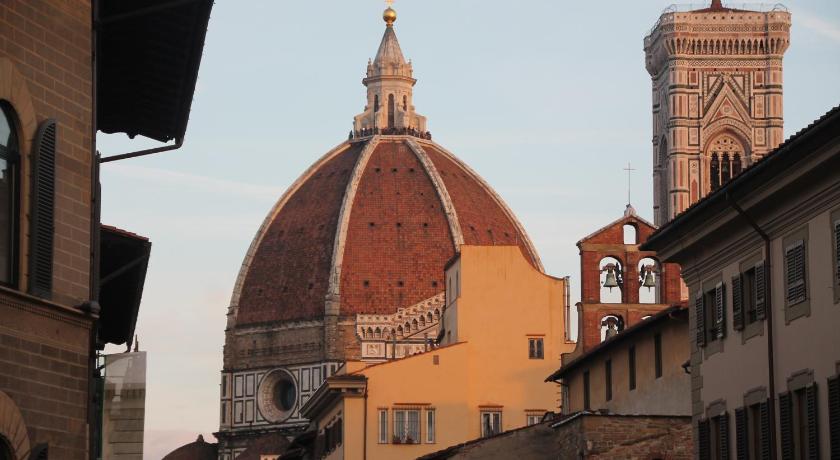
column 390, row 15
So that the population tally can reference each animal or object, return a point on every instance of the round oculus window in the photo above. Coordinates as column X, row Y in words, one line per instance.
column 277, row 396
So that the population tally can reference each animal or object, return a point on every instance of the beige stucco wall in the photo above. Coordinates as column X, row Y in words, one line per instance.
column 728, row 370
column 503, row 301
column 666, row 395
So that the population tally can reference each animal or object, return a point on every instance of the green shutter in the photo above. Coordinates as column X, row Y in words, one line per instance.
column 786, row 425
column 741, row 434
column 813, row 446
column 700, row 315
column 42, row 211
column 723, row 448
column 764, row 413
column 720, row 310
column 834, row 415
column 737, row 303
column 760, row 291
column 704, row 448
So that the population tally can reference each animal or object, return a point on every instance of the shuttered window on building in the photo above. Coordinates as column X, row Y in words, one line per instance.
column 741, row 434
column 42, row 211
column 720, row 310
column 723, row 436
column 760, row 287
column 837, row 253
column 786, row 426
column 812, row 442
column 795, row 273
column 764, row 427
column 700, row 318
column 703, row 440
column 834, row 416
column 737, row 303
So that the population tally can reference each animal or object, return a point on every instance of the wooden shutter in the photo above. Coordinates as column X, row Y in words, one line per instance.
column 720, row 310
column 811, row 415
column 741, row 434
column 704, row 448
column 42, row 211
column 700, row 314
column 834, row 415
column 764, row 413
column 737, row 303
column 723, row 448
column 837, row 252
column 795, row 263
column 760, row 291
column 786, row 425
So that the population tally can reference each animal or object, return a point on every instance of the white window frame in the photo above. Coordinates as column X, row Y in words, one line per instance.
column 383, row 426
column 532, row 419
column 495, row 419
column 401, row 430
column 431, row 421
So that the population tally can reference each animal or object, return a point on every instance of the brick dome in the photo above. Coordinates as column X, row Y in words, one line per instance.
column 370, row 225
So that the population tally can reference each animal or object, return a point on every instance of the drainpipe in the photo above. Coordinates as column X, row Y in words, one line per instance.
column 364, row 437
column 771, row 374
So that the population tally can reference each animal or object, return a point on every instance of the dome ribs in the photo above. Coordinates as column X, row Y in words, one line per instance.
column 483, row 216
column 406, row 256
column 288, row 275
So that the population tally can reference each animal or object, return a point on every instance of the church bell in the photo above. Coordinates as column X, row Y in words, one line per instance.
column 610, row 281
column 649, row 281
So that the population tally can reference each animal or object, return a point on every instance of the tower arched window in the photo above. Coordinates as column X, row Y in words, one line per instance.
column 405, row 103
column 9, row 158
column 726, row 160
column 663, row 180
column 376, row 103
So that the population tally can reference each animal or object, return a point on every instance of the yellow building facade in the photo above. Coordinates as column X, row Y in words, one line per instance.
column 504, row 329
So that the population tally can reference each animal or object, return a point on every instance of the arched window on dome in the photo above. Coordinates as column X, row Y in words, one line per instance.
column 429, row 318
column 405, row 103
column 422, row 321
column 377, row 334
column 9, row 193
column 376, row 103
column 437, row 314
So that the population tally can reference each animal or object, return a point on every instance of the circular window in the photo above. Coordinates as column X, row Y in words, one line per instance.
column 277, row 395
column 284, row 394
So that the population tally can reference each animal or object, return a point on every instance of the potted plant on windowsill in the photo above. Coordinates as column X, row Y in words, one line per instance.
column 396, row 440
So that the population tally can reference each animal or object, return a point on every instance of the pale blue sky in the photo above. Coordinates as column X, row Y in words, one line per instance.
column 548, row 100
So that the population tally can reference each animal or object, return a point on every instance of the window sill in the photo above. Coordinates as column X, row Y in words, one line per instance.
column 796, row 311
column 713, row 347
column 751, row 330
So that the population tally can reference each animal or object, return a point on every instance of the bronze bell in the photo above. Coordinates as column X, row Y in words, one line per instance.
column 649, row 281
column 610, row 281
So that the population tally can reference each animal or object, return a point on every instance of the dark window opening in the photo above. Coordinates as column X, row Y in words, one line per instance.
column 535, row 348
column 9, row 155
column 657, row 352
column 631, row 363
column 586, row 405
column 608, row 378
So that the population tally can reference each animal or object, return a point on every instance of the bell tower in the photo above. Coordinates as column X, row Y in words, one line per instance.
column 717, row 97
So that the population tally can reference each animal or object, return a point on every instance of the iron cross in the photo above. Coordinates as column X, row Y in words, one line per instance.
column 629, row 170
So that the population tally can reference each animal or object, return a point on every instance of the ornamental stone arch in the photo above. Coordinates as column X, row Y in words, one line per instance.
column 13, row 431
column 726, row 152
column 15, row 91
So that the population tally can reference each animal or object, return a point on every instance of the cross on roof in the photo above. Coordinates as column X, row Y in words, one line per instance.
column 629, row 170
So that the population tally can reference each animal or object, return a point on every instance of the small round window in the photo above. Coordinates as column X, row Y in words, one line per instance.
column 277, row 396
column 285, row 394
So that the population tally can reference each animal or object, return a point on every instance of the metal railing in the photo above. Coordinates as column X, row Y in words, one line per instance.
column 688, row 7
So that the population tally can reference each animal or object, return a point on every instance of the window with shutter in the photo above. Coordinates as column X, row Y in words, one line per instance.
column 720, row 311
column 42, row 225
column 837, row 260
column 741, row 434
column 723, row 436
column 786, row 426
column 834, row 415
column 704, row 448
column 764, row 427
column 760, row 291
column 795, row 273
column 812, row 443
column 737, row 303
column 700, row 318
column 9, row 195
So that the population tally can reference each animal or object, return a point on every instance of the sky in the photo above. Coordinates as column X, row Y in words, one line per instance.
column 548, row 100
